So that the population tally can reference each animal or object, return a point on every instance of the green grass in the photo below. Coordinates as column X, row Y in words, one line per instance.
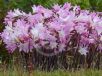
column 53, row 73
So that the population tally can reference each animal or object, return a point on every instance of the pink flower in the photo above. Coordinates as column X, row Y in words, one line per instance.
column 56, row 7
column 61, row 47
column 91, row 41
column 38, row 9
column 83, row 51
column 52, row 29
column 53, row 45
column 80, row 29
column 67, row 6
column 99, row 29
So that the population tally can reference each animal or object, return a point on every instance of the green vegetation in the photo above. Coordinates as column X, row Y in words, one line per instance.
column 54, row 73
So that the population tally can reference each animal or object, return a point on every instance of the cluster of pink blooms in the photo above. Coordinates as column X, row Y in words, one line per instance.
column 51, row 28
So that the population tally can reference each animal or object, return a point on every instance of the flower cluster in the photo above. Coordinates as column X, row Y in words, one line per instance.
column 57, row 29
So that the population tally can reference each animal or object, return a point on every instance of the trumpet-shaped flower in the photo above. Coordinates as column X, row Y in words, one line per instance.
column 52, row 29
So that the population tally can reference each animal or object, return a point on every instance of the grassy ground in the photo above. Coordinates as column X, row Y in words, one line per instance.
column 54, row 73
